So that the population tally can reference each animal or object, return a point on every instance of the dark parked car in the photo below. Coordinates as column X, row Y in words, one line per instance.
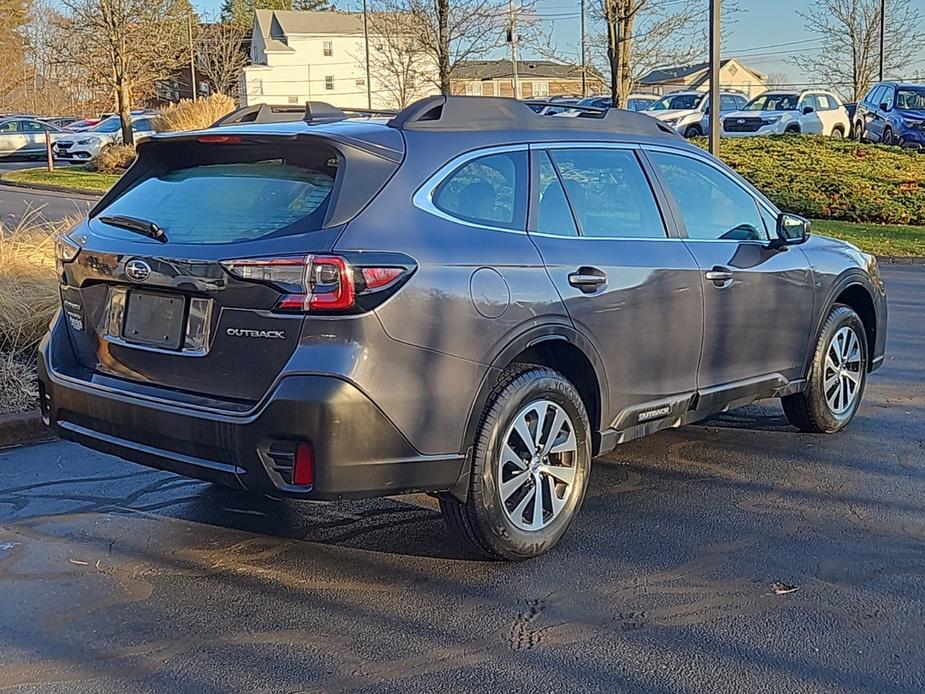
column 467, row 299
column 893, row 113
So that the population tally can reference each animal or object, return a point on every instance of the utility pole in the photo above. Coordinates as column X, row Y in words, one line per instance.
column 584, row 53
column 369, row 86
column 192, row 55
column 882, row 32
column 715, row 34
column 512, row 37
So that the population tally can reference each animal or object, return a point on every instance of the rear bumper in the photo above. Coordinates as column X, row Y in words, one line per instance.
column 358, row 452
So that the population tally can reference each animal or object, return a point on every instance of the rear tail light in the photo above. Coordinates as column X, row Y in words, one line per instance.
column 317, row 283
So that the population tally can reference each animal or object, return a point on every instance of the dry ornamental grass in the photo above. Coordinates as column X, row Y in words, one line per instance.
column 28, row 300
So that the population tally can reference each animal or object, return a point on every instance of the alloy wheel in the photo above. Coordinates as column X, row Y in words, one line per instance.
column 537, row 465
column 842, row 373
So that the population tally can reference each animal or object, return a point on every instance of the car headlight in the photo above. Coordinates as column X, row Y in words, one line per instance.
column 91, row 141
column 913, row 123
column 671, row 121
column 772, row 120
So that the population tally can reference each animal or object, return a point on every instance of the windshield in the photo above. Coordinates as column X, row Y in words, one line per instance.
column 677, row 101
column 773, row 102
column 910, row 98
column 110, row 125
column 234, row 194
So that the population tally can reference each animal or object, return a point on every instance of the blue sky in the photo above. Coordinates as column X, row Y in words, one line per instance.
column 755, row 37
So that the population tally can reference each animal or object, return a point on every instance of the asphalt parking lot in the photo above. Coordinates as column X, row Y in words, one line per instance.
column 118, row 578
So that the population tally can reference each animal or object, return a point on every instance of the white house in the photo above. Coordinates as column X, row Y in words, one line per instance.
column 302, row 56
column 732, row 75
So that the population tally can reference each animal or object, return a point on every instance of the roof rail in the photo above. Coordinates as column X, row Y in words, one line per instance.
column 498, row 113
column 261, row 113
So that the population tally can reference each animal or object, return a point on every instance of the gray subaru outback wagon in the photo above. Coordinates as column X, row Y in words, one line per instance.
column 466, row 299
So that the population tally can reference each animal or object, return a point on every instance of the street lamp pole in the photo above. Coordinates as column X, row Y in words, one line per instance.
column 584, row 53
column 882, row 32
column 715, row 35
column 369, row 86
column 515, row 81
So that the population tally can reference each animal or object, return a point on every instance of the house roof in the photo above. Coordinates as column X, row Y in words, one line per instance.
column 670, row 74
column 497, row 69
column 276, row 25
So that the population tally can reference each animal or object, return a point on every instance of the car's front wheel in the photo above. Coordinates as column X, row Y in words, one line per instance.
column 693, row 131
column 836, row 378
column 530, row 467
column 887, row 137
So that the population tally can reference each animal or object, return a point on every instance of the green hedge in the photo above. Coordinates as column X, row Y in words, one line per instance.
column 832, row 179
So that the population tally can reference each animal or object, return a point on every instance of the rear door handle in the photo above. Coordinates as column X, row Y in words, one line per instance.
column 720, row 276
column 587, row 279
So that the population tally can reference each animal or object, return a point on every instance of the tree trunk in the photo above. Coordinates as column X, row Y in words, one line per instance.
column 443, row 44
column 624, row 54
column 124, row 104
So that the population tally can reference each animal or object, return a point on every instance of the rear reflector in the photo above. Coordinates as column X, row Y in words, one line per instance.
column 303, row 472
column 378, row 277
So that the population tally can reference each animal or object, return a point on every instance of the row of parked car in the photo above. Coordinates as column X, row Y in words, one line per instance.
column 72, row 140
column 891, row 113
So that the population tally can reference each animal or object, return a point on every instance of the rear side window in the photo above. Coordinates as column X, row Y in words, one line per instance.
column 489, row 190
column 609, row 193
column 712, row 205
column 232, row 193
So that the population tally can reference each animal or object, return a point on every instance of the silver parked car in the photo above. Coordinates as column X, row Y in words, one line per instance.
column 25, row 137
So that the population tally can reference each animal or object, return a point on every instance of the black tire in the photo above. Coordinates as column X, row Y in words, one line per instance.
column 692, row 131
column 792, row 130
column 483, row 521
column 887, row 137
column 810, row 411
column 838, row 132
column 859, row 132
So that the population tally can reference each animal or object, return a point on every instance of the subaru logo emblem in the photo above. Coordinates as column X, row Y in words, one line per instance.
column 137, row 270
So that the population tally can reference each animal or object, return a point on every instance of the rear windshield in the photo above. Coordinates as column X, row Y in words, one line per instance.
column 233, row 193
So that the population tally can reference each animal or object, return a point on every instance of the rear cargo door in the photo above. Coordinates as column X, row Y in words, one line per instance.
column 150, row 298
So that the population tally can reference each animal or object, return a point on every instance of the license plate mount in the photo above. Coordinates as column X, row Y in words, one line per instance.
column 153, row 319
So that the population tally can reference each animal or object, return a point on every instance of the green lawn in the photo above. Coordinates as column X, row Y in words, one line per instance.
column 76, row 178
column 879, row 239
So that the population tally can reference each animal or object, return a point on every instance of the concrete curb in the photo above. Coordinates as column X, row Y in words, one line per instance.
column 47, row 188
column 23, row 428
column 901, row 259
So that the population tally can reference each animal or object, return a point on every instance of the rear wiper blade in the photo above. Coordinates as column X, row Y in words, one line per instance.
column 140, row 226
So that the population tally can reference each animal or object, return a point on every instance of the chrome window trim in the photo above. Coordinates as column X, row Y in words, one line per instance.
column 423, row 197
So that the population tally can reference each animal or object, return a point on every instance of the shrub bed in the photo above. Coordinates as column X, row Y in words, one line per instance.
column 113, row 160
column 827, row 178
column 194, row 115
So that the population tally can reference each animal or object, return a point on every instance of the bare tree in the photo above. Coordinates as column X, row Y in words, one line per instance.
column 127, row 45
column 241, row 12
column 849, row 58
column 220, row 56
column 399, row 69
column 645, row 34
column 776, row 80
column 13, row 44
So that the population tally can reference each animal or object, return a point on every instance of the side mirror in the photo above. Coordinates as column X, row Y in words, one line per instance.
column 792, row 229
column 884, row 106
column 807, row 110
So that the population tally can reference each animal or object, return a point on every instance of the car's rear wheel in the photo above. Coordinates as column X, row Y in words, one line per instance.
column 836, row 379
column 859, row 132
column 530, row 467
column 838, row 132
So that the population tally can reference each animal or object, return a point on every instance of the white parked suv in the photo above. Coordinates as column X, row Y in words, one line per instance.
column 85, row 145
column 689, row 112
column 778, row 112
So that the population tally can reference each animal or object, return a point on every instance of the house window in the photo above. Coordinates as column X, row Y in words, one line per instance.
column 488, row 88
column 541, row 89
column 328, row 49
column 361, row 83
column 329, row 82
column 473, row 89
column 733, row 70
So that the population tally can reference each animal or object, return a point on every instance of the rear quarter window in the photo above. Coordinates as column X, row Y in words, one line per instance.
column 489, row 190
